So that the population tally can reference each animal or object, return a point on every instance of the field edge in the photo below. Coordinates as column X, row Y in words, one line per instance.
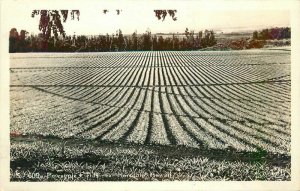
column 50, row 159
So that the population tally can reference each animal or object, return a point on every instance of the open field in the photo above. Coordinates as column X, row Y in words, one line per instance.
column 229, row 109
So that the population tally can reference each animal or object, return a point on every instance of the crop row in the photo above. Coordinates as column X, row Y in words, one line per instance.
column 157, row 98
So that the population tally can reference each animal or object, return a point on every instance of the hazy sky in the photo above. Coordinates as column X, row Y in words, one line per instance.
column 229, row 15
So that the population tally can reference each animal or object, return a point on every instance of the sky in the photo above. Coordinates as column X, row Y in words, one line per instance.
column 224, row 15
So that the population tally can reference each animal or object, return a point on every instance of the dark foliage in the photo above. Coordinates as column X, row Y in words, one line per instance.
column 272, row 34
column 161, row 14
column 110, row 43
column 50, row 23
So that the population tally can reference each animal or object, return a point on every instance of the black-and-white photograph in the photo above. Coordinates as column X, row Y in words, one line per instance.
column 149, row 91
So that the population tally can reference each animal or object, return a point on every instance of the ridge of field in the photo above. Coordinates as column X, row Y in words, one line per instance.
column 216, row 100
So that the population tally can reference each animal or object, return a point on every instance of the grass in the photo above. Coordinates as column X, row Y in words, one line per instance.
column 53, row 159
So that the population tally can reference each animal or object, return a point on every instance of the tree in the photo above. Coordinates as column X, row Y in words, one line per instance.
column 51, row 22
column 107, row 42
column 135, row 41
column 265, row 34
column 23, row 43
column 121, row 41
column 272, row 33
column 191, row 40
column 175, row 42
column 168, row 44
column 199, row 39
column 212, row 39
column 205, row 41
column 186, row 32
column 161, row 14
column 23, row 35
column 154, row 43
column 255, row 35
column 13, row 33
column 147, row 40
column 160, row 43
column 115, row 42
column 183, row 44
column 286, row 32
column 13, row 40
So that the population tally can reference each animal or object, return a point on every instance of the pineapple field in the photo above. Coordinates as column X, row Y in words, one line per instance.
column 226, row 108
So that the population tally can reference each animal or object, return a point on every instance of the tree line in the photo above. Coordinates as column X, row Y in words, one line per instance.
column 272, row 34
column 189, row 40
